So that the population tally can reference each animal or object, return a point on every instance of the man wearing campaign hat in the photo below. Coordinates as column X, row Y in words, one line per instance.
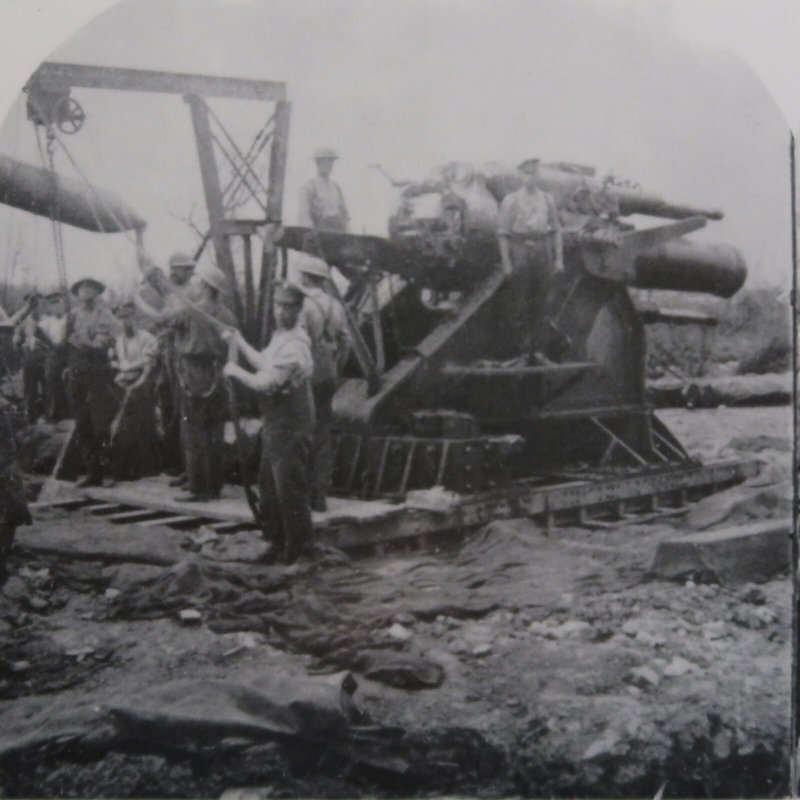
column 531, row 249
column 282, row 379
column 323, row 319
column 90, row 383
column 32, row 346
column 196, row 338
column 322, row 203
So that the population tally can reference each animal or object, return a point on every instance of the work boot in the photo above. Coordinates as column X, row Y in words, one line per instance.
column 319, row 504
column 179, row 481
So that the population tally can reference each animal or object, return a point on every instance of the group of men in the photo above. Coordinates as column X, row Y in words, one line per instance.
column 118, row 374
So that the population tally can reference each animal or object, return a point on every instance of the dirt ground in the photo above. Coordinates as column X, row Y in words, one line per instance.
column 534, row 665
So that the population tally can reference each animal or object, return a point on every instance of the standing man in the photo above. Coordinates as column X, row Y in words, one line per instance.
column 32, row 345
column 54, row 327
column 531, row 250
column 199, row 358
column 134, row 437
column 282, row 380
column 90, row 383
column 322, row 203
column 322, row 317
column 182, row 280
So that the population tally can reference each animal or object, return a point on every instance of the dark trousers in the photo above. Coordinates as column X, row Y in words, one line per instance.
column 285, row 495
column 56, row 394
column 134, row 443
column 33, row 383
column 322, row 445
column 529, row 286
column 203, row 408
column 93, row 400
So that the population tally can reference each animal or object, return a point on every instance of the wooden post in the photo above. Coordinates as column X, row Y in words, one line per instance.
column 213, row 195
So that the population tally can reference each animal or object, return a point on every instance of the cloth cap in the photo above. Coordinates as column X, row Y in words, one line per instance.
column 325, row 152
column 124, row 308
column 528, row 164
column 318, row 268
column 182, row 260
column 287, row 292
column 214, row 277
column 96, row 285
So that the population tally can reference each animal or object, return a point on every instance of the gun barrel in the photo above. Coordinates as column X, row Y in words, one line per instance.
column 564, row 185
column 685, row 266
column 38, row 191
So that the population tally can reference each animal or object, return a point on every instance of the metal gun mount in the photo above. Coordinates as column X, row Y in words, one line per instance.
column 439, row 394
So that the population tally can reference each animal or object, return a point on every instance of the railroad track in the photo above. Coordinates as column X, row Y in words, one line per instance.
column 591, row 500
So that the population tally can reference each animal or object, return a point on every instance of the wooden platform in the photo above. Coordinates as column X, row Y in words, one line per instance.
column 595, row 500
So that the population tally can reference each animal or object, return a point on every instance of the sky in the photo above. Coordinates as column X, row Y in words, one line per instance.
column 645, row 90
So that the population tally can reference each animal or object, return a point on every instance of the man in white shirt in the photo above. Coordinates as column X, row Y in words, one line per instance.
column 32, row 346
column 53, row 325
column 282, row 380
column 134, row 435
column 322, row 203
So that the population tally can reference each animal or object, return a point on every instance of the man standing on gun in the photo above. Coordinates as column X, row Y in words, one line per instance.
column 200, row 352
column 531, row 250
column 282, row 380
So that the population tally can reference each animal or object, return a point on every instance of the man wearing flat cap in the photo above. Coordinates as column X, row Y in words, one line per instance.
column 196, row 334
column 531, row 249
column 90, row 384
column 134, row 436
column 322, row 203
column 282, row 380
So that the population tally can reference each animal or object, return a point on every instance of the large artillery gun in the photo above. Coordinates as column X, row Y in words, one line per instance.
column 439, row 392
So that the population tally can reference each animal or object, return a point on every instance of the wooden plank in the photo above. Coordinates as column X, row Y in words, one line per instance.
column 103, row 509
column 135, row 515
column 168, row 521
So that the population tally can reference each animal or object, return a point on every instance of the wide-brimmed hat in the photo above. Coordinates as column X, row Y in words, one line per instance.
column 182, row 260
column 317, row 268
column 214, row 277
column 325, row 152
column 288, row 292
column 529, row 164
column 95, row 284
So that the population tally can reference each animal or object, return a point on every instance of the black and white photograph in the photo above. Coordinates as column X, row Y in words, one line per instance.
column 397, row 400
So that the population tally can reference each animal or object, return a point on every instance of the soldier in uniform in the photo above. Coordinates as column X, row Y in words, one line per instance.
column 323, row 319
column 90, row 384
column 199, row 357
column 282, row 379
column 30, row 341
column 322, row 203
column 531, row 250
column 181, row 281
